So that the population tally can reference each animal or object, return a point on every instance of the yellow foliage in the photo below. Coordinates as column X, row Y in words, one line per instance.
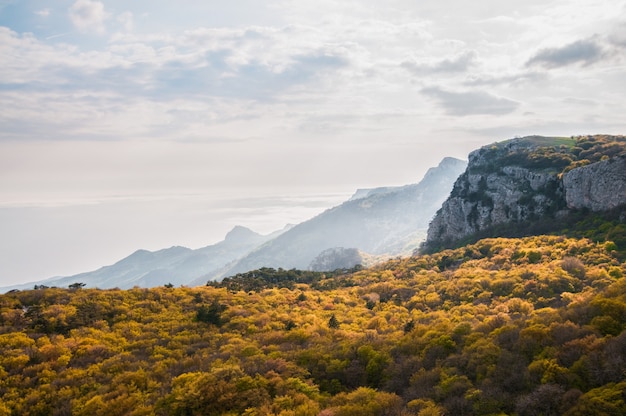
column 495, row 323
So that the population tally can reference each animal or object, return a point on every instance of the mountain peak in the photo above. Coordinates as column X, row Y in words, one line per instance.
column 363, row 193
column 450, row 162
column 447, row 164
column 240, row 233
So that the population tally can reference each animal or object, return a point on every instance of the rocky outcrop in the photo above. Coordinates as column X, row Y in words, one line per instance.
column 488, row 194
column 336, row 258
column 598, row 187
column 526, row 180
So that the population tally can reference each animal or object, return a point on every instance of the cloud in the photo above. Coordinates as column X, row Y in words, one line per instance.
column 471, row 102
column 617, row 36
column 585, row 52
column 459, row 63
column 505, row 79
column 88, row 16
column 226, row 63
column 217, row 75
column 54, row 91
column 126, row 21
column 43, row 12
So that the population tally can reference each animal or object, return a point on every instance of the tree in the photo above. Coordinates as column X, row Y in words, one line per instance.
column 365, row 401
column 545, row 400
column 333, row 322
column 76, row 286
column 211, row 314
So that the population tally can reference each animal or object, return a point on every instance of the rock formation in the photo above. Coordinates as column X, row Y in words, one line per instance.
column 336, row 258
column 524, row 180
column 599, row 186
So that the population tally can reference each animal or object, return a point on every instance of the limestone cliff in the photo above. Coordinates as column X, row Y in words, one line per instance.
column 599, row 186
column 530, row 179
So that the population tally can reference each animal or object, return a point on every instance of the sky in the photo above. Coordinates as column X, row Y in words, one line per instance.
column 151, row 123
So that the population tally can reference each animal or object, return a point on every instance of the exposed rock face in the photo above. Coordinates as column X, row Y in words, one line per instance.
column 522, row 180
column 487, row 195
column 598, row 186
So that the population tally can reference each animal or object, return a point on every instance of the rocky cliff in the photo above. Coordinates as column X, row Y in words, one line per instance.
column 531, row 179
column 599, row 186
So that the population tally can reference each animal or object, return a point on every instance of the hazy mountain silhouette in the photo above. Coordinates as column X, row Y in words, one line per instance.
column 380, row 221
column 175, row 265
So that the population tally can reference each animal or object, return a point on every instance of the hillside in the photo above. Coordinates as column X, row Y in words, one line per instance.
column 382, row 221
column 533, row 185
column 503, row 326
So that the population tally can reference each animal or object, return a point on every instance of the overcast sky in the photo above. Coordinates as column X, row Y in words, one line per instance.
column 151, row 123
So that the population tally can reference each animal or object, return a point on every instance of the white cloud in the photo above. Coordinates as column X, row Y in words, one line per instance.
column 460, row 63
column 617, row 32
column 88, row 16
column 126, row 20
column 517, row 78
column 43, row 12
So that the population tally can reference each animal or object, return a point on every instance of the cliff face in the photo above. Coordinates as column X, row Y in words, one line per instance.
column 598, row 186
column 529, row 179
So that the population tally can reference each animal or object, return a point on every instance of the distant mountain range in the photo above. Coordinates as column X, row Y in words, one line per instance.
column 379, row 222
column 175, row 265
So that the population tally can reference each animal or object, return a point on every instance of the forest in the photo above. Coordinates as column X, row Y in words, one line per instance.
column 519, row 326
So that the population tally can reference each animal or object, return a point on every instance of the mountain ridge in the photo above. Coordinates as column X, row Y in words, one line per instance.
column 175, row 265
column 378, row 221
column 386, row 220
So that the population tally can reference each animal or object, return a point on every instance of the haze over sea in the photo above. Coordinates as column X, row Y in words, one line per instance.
column 123, row 224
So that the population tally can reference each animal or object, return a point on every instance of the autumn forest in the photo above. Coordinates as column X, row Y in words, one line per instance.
column 531, row 326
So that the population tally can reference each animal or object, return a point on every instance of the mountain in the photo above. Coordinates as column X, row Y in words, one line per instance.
column 511, row 326
column 174, row 265
column 531, row 185
column 380, row 221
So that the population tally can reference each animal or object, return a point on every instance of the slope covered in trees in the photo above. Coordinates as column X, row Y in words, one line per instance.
column 503, row 326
